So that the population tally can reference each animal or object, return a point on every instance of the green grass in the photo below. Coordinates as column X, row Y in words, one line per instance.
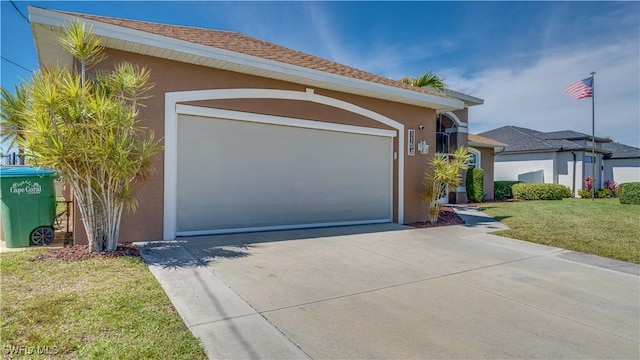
column 91, row 309
column 603, row 227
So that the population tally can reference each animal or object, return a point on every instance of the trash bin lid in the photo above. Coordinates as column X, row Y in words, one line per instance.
column 15, row 171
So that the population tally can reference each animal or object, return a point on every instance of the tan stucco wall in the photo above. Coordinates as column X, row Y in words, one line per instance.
column 462, row 114
column 168, row 76
column 486, row 162
column 462, row 140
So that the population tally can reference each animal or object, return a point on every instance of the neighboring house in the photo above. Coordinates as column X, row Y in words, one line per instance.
column 561, row 157
column 621, row 163
column 261, row 137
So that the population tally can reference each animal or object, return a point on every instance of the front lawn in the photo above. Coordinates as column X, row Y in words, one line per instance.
column 103, row 308
column 602, row 227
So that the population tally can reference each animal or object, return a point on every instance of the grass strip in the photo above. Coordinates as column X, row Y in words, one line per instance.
column 103, row 308
column 603, row 227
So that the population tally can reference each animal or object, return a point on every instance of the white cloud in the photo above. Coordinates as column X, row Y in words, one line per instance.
column 525, row 88
column 534, row 97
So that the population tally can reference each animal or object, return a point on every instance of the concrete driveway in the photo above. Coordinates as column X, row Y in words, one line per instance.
column 391, row 292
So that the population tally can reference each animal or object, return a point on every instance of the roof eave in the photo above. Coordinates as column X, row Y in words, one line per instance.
column 120, row 38
column 467, row 99
column 481, row 144
column 511, row 152
column 624, row 157
column 599, row 151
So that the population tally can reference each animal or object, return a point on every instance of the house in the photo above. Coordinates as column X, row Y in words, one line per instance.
column 621, row 163
column 482, row 151
column 562, row 157
column 261, row 137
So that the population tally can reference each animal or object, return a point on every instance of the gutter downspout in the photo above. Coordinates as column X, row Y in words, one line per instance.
column 573, row 181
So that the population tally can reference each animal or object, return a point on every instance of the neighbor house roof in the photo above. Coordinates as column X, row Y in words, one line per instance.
column 481, row 141
column 621, row 151
column 237, row 52
column 528, row 140
column 570, row 135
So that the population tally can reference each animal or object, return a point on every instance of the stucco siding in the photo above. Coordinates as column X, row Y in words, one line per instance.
column 622, row 170
column 170, row 76
column 486, row 161
column 567, row 171
column 530, row 168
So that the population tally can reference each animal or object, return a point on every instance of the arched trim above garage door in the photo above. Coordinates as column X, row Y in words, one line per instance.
column 171, row 132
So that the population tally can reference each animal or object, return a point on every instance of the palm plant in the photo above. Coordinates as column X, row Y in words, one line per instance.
column 11, row 123
column 444, row 174
column 87, row 127
column 426, row 80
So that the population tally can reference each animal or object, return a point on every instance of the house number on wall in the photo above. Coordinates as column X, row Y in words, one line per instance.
column 411, row 144
column 423, row 147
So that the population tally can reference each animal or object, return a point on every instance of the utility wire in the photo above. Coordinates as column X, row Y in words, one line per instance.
column 21, row 14
column 18, row 65
column 27, row 20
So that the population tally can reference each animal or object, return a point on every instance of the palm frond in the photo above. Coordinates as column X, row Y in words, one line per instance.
column 429, row 80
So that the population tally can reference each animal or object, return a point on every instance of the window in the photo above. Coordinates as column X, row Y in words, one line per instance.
column 442, row 143
column 474, row 160
column 446, row 135
column 588, row 159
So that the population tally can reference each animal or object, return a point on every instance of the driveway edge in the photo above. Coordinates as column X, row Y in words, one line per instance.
column 227, row 326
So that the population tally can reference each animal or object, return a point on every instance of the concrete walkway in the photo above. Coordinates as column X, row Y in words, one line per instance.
column 478, row 220
column 389, row 291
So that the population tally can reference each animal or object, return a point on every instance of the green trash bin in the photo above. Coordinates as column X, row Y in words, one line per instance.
column 28, row 205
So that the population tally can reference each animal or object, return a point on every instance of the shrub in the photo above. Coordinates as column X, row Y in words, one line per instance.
column 629, row 193
column 540, row 191
column 502, row 189
column 584, row 193
column 611, row 185
column 600, row 194
column 475, row 185
column 604, row 193
column 588, row 183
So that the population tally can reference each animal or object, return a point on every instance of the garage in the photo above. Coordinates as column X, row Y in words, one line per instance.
column 239, row 172
column 258, row 136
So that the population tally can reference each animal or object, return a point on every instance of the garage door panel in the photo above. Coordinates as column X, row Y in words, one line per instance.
column 239, row 174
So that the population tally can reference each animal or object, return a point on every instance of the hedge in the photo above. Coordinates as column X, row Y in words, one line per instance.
column 475, row 185
column 502, row 189
column 629, row 193
column 599, row 194
column 524, row 191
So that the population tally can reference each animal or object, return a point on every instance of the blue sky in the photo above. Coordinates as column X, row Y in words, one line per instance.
column 517, row 56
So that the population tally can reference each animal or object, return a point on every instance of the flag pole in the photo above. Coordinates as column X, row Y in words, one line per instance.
column 593, row 135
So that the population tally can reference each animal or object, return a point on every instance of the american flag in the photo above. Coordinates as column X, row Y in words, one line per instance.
column 581, row 89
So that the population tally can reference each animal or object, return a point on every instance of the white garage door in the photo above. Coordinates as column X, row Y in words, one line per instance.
column 236, row 175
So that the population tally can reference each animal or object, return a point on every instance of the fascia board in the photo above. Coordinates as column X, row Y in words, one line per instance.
column 54, row 18
column 468, row 99
column 479, row 144
column 586, row 150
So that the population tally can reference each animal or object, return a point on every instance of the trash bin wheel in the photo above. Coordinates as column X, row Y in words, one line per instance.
column 42, row 235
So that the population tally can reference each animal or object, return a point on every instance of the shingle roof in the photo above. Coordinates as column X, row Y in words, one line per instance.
column 528, row 140
column 519, row 139
column 570, row 135
column 621, row 151
column 236, row 42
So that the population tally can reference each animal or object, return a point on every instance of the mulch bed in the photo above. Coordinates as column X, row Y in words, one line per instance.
column 81, row 252
column 447, row 217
